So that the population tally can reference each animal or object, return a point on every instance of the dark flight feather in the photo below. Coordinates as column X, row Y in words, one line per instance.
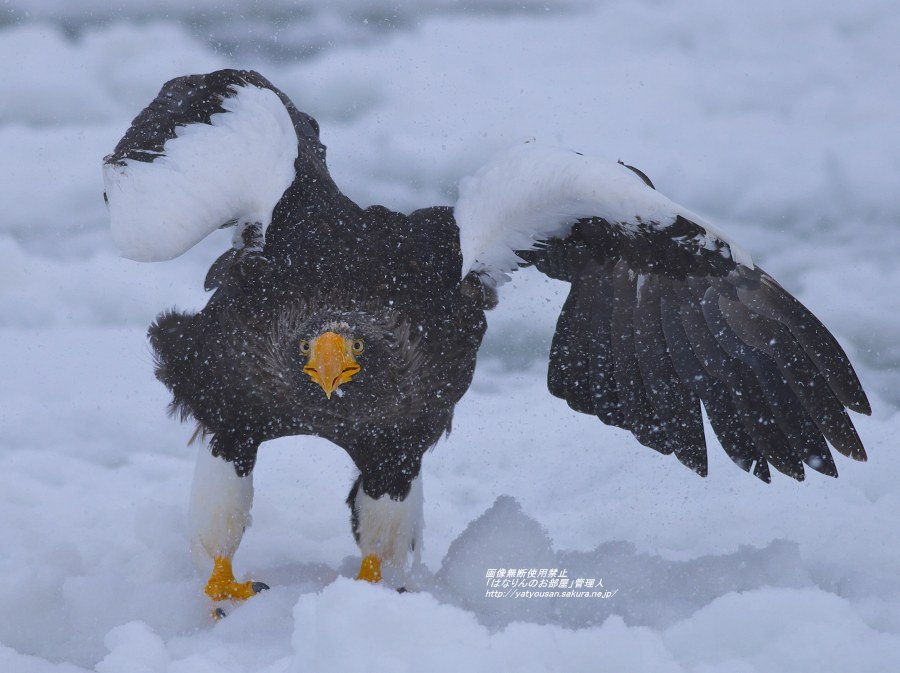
column 685, row 329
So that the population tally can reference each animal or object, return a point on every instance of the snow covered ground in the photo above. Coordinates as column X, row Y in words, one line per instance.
column 777, row 120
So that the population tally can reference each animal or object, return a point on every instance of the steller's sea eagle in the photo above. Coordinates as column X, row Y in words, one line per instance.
column 362, row 325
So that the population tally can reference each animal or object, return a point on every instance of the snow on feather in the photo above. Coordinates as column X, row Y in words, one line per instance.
column 533, row 192
column 236, row 167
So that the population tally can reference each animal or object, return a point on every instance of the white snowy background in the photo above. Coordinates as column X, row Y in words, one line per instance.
column 779, row 120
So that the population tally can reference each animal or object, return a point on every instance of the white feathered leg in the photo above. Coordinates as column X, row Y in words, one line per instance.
column 218, row 514
column 388, row 530
column 219, row 510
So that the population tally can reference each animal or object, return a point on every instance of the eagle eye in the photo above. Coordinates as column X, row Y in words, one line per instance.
column 304, row 347
column 358, row 346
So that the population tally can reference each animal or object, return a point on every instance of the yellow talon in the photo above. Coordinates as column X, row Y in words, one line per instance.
column 370, row 569
column 222, row 585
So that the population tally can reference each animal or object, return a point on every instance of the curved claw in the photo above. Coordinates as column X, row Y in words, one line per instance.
column 259, row 587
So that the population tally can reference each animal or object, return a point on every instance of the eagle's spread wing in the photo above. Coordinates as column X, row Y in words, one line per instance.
column 664, row 313
column 210, row 150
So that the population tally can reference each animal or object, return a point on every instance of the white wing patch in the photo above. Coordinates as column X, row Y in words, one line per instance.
column 532, row 192
column 236, row 167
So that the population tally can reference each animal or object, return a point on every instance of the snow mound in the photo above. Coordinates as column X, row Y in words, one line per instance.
column 353, row 627
column 646, row 589
column 502, row 537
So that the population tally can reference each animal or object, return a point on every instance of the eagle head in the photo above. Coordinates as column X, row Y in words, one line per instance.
column 331, row 356
column 345, row 362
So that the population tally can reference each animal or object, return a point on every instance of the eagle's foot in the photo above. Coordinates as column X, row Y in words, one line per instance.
column 370, row 569
column 222, row 586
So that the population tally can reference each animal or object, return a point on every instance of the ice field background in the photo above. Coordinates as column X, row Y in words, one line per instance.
column 777, row 121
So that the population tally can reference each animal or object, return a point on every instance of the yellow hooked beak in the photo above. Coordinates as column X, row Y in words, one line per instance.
column 331, row 361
